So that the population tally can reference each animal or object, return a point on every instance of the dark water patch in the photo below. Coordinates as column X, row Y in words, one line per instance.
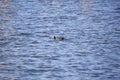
column 38, row 70
column 117, row 8
column 4, row 43
column 82, row 53
column 25, row 34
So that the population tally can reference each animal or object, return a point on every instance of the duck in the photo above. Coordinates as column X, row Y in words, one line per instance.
column 58, row 38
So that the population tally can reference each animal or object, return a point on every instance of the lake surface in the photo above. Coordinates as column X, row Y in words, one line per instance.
column 90, row 51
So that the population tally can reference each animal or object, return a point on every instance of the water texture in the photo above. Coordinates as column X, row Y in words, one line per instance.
column 90, row 51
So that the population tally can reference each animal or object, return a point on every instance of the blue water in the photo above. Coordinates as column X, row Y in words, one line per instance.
column 90, row 51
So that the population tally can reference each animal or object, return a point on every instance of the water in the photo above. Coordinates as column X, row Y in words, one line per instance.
column 90, row 51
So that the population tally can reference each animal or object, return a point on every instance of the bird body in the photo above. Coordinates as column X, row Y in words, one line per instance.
column 58, row 38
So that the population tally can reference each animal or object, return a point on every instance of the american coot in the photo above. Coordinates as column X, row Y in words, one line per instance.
column 58, row 38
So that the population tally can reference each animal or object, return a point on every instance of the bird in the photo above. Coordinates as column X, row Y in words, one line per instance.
column 58, row 38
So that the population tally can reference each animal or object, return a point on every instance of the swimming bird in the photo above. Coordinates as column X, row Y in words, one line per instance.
column 58, row 38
